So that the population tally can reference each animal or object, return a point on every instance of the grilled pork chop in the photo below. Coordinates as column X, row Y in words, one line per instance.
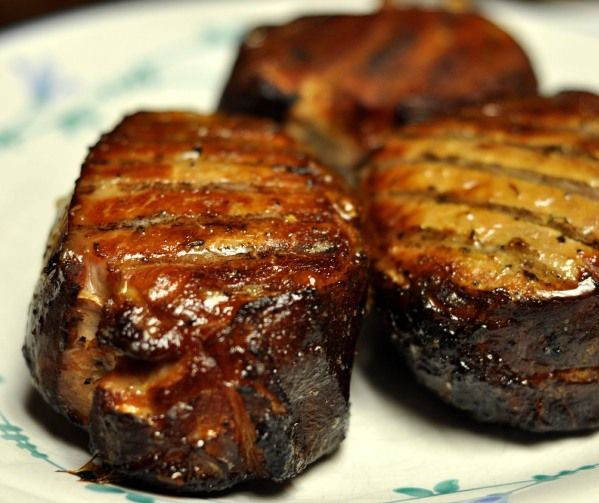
column 341, row 81
column 486, row 251
column 200, row 302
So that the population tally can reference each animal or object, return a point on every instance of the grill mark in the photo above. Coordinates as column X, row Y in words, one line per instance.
column 209, row 225
column 302, row 166
column 217, row 125
column 401, row 43
column 511, row 123
column 134, row 138
column 513, row 259
column 105, row 212
column 149, row 120
column 539, row 219
column 565, row 184
column 96, row 168
column 242, row 270
column 200, row 245
column 568, row 124
column 242, row 280
column 443, row 66
column 475, row 144
column 211, row 147
column 449, row 181
column 123, row 149
column 165, row 218
column 544, row 147
column 572, row 208
column 126, row 188
column 226, row 253
column 534, row 121
column 182, row 177
column 371, row 40
column 486, row 230
column 292, row 244
column 425, row 54
column 519, row 190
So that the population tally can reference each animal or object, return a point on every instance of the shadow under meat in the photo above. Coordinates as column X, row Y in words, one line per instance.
column 254, row 489
column 55, row 425
column 383, row 368
column 267, row 489
column 63, row 430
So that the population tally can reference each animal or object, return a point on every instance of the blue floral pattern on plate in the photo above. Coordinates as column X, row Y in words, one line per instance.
column 58, row 100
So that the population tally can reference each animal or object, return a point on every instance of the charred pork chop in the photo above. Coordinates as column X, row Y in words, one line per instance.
column 485, row 232
column 341, row 81
column 200, row 302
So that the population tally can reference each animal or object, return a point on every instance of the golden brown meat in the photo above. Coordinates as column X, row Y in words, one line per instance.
column 342, row 81
column 485, row 232
column 200, row 302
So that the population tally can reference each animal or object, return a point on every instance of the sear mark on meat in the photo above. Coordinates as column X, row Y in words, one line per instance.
column 485, row 247
column 199, row 304
column 357, row 76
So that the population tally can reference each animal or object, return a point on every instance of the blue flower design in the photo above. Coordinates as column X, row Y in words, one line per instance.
column 497, row 498
column 43, row 80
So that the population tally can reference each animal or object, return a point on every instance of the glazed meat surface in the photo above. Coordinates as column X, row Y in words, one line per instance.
column 485, row 232
column 200, row 302
column 342, row 81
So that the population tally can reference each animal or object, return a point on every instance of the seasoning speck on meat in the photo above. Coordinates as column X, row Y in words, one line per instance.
column 485, row 246
column 200, row 302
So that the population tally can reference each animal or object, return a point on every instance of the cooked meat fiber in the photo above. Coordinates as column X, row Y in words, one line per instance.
column 200, row 303
column 342, row 81
column 485, row 232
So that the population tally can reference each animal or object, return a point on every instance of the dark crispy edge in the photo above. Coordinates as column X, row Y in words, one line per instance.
column 52, row 316
column 257, row 98
column 249, row 93
column 322, row 361
column 467, row 351
column 286, row 441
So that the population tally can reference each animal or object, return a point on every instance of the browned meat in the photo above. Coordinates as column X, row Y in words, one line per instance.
column 200, row 303
column 485, row 232
column 341, row 81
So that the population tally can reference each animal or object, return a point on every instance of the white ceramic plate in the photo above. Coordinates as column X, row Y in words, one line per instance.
column 66, row 79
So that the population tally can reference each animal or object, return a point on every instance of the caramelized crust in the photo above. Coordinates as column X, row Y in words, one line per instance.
column 200, row 302
column 342, row 81
column 485, row 235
